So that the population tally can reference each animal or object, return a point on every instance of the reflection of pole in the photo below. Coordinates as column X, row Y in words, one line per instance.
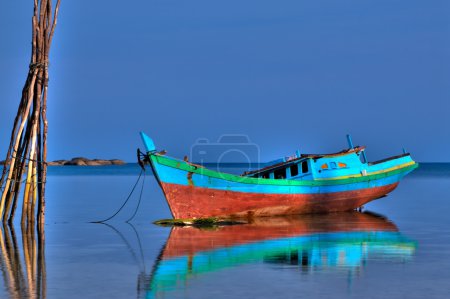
column 6, row 263
column 18, row 265
column 27, row 258
column 10, row 257
column 42, row 272
column 28, row 281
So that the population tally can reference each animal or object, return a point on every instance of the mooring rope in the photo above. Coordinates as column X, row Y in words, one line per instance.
column 123, row 205
column 139, row 202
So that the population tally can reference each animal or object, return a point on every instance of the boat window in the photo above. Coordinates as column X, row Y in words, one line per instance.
column 324, row 166
column 304, row 167
column 280, row 173
column 333, row 164
column 294, row 170
column 265, row 175
column 342, row 164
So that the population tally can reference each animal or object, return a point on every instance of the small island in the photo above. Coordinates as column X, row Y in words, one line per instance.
column 82, row 161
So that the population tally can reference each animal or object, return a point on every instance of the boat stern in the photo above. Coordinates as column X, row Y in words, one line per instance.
column 402, row 164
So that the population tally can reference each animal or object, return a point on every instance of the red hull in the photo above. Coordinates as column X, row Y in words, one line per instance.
column 196, row 202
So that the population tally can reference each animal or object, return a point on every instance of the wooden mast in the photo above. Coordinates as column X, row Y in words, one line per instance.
column 27, row 152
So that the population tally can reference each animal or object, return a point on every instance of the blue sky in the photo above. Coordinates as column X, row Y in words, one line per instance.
column 289, row 74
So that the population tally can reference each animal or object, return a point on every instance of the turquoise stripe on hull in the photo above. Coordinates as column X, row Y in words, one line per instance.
column 178, row 176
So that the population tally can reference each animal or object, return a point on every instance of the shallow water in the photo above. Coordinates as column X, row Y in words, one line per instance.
column 403, row 253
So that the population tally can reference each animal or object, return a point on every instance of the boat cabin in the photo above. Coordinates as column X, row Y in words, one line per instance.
column 315, row 166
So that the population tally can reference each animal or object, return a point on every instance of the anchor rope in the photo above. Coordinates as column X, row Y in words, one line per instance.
column 139, row 202
column 123, row 205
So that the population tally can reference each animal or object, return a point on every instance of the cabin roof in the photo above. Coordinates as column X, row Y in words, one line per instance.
column 356, row 149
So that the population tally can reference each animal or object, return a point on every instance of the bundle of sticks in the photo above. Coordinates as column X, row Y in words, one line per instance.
column 25, row 162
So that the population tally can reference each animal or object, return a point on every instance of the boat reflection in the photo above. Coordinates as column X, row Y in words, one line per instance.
column 340, row 241
column 23, row 277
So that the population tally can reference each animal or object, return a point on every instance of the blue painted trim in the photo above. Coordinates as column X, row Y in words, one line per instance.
column 148, row 142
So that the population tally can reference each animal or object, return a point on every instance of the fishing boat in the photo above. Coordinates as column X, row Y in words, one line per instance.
column 300, row 184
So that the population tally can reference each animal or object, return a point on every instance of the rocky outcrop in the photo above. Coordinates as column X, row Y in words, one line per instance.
column 82, row 161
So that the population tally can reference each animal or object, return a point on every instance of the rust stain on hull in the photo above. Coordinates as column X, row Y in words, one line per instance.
column 196, row 202
column 189, row 178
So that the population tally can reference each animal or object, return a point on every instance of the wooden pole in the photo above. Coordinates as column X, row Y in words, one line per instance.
column 27, row 151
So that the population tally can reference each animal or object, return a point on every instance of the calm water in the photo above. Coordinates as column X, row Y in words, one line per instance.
column 403, row 254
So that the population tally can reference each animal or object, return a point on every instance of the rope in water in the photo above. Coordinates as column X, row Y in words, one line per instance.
column 128, row 198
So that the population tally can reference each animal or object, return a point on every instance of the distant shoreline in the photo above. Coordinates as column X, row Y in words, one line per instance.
column 82, row 161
